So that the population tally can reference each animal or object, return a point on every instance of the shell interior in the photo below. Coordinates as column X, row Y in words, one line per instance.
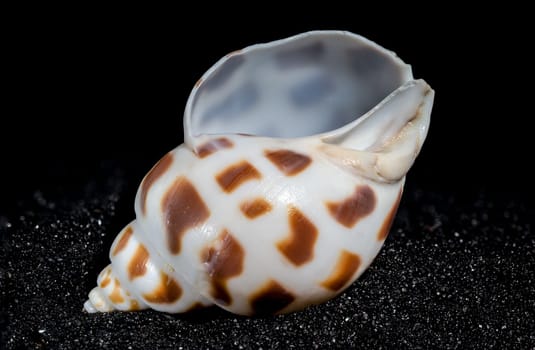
column 300, row 86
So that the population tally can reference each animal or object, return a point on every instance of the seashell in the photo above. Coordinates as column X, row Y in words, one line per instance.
column 284, row 191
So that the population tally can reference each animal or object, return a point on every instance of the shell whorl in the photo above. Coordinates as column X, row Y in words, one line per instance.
column 209, row 224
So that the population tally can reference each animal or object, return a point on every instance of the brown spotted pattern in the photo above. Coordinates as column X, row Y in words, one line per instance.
column 123, row 241
column 256, row 207
column 353, row 208
column 289, row 162
column 195, row 307
column 298, row 247
column 235, row 175
column 116, row 296
column 106, row 280
column 183, row 209
column 213, row 146
column 345, row 268
column 134, row 305
column 387, row 224
column 223, row 263
column 154, row 174
column 138, row 264
column 167, row 292
column 270, row 299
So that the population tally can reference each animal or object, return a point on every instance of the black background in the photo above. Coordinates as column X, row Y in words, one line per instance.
column 88, row 86
column 93, row 97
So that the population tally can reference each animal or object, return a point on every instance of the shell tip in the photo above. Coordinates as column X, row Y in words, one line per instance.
column 97, row 302
column 89, row 308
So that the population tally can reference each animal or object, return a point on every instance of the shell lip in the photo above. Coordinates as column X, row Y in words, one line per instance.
column 193, row 140
column 326, row 136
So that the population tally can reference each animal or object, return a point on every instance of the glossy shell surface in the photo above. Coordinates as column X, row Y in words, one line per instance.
column 286, row 187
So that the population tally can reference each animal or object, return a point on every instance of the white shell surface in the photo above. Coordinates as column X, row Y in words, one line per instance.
column 258, row 224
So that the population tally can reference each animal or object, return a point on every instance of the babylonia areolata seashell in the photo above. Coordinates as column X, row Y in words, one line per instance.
column 284, row 191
